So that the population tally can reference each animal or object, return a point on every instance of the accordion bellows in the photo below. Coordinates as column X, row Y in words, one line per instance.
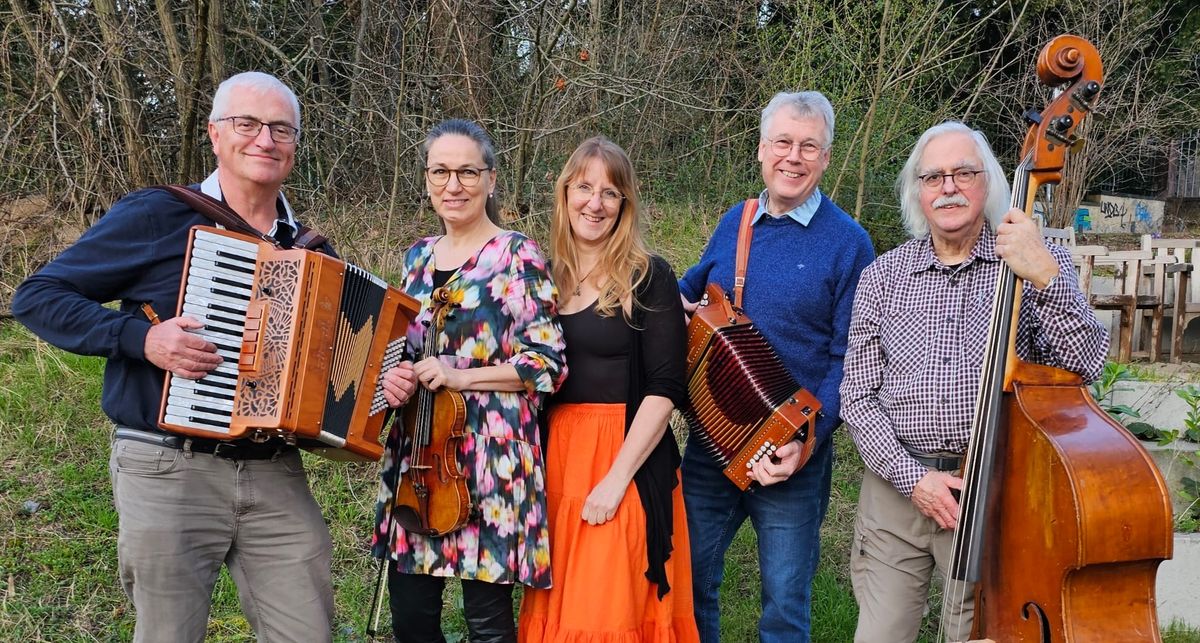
column 744, row 404
column 304, row 336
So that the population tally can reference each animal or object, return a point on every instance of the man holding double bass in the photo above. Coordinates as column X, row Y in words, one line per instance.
column 916, row 347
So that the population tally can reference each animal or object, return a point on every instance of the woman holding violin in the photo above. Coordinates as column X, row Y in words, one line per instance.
column 618, row 535
column 490, row 313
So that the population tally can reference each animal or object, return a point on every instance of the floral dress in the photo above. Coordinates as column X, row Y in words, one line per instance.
column 507, row 315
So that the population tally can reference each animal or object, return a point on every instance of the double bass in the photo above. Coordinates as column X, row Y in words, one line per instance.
column 1064, row 518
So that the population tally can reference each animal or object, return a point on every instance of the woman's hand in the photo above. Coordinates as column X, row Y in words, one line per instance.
column 601, row 504
column 433, row 375
column 399, row 384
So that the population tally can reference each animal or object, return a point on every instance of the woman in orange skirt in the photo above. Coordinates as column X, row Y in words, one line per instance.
column 619, row 555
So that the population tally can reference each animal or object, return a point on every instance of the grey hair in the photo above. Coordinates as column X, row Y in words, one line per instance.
column 908, row 187
column 255, row 81
column 805, row 105
column 475, row 132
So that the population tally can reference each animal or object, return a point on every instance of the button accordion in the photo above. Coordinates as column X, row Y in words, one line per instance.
column 304, row 337
column 744, row 403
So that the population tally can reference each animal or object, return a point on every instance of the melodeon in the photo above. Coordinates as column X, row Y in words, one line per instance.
column 744, row 403
column 304, row 337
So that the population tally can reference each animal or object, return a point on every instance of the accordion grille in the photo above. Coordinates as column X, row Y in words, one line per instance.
column 737, row 384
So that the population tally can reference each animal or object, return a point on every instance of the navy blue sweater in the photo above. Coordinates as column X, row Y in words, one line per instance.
column 133, row 254
column 800, row 285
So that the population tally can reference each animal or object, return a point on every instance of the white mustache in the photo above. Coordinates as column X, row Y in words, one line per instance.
column 953, row 199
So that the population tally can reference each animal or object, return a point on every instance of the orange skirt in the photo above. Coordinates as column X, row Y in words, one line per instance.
column 600, row 592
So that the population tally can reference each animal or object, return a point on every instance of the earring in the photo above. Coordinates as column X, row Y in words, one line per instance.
column 491, row 194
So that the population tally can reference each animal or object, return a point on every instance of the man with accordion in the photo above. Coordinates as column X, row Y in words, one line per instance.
column 804, row 259
column 188, row 505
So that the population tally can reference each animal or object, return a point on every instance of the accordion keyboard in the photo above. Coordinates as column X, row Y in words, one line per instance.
column 219, row 286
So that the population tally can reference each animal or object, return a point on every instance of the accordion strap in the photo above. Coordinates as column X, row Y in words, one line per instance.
column 306, row 237
column 745, row 232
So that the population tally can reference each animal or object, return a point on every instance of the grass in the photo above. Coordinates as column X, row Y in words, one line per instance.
column 58, row 576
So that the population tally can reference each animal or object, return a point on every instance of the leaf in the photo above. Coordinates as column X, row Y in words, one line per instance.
column 1123, row 410
column 1143, row 430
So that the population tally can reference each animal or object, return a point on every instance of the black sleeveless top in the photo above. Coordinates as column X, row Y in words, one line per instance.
column 598, row 358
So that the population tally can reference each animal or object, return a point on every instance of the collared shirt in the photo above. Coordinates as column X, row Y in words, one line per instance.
column 284, row 214
column 801, row 214
column 916, row 346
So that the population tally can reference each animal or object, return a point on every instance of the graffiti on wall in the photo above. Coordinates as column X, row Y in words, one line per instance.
column 1120, row 214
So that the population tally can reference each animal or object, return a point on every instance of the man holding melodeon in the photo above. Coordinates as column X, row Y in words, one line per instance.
column 188, row 505
column 805, row 256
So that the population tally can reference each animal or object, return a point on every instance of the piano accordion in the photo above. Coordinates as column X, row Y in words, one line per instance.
column 304, row 337
column 744, row 404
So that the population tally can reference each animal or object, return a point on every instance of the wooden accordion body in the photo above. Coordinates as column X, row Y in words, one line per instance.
column 304, row 337
column 744, row 403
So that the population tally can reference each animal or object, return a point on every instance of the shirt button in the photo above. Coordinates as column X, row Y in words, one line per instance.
column 945, row 400
column 945, row 360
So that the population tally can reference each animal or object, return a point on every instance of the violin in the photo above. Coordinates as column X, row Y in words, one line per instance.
column 431, row 495
column 1064, row 517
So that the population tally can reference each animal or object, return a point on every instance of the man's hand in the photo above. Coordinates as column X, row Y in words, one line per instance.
column 399, row 384
column 767, row 472
column 932, row 497
column 171, row 347
column 1019, row 243
column 688, row 309
column 601, row 504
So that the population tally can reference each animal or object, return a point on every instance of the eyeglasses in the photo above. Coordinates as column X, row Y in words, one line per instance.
column 809, row 150
column 610, row 198
column 467, row 176
column 962, row 178
column 250, row 127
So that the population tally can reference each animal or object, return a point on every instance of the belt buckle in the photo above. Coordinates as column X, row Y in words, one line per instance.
column 227, row 450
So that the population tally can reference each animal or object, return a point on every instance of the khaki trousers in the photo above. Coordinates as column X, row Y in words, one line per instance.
column 183, row 515
column 893, row 556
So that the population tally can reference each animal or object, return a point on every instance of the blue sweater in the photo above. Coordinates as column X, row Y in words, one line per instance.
column 800, row 285
column 134, row 254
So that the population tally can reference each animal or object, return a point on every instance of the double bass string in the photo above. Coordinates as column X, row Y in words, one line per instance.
column 982, row 445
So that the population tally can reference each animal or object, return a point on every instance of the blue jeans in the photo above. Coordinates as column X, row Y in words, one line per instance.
column 787, row 519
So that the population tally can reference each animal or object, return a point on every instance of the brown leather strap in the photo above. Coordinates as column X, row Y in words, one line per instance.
column 215, row 210
column 218, row 211
column 309, row 239
column 745, row 232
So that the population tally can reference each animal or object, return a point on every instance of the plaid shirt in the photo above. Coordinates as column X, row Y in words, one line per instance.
column 917, row 338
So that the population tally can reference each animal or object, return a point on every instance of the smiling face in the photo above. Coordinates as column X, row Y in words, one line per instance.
column 952, row 212
column 454, row 202
column 256, row 160
column 594, row 211
column 790, row 179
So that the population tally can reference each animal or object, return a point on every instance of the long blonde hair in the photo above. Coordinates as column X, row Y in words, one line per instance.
column 625, row 259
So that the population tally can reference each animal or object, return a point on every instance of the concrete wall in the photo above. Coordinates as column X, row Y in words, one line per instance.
column 1108, row 213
